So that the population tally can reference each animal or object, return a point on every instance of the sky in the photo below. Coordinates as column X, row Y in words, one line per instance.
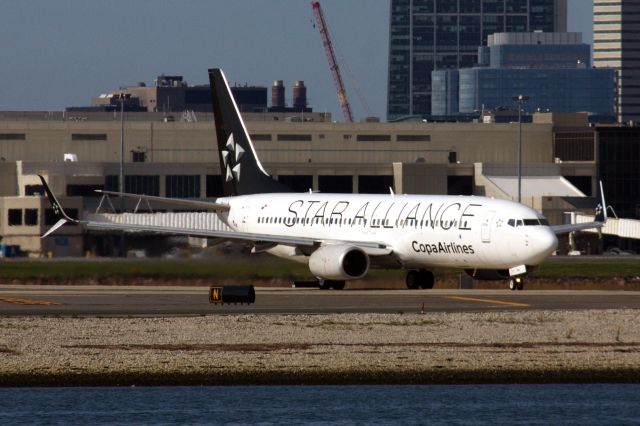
column 60, row 53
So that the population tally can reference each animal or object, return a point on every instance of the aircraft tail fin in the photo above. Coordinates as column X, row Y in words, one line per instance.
column 242, row 173
column 601, row 208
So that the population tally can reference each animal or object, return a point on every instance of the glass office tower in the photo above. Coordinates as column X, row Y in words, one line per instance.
column 552, row 69
column 616, row 44
column 428, row 35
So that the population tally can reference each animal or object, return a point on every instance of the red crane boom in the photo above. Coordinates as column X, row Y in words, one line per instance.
column 333, row 63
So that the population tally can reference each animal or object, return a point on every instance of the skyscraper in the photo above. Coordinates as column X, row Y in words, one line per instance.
column 616, row 44
column 552, row 69
column 428, row 35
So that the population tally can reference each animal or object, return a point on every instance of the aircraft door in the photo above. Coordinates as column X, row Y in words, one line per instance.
column 487, row 222
column 244, row 218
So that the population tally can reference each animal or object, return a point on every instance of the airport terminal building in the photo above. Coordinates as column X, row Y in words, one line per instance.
column 81, row 153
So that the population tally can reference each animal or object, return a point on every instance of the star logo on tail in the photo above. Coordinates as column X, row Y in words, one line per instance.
column 231, row 159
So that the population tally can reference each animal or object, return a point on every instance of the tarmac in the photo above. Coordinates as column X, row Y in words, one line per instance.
column 124, row 336
column 19, row 300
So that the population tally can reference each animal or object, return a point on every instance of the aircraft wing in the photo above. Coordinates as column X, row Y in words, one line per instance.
column 565, row 229
column 205, row 205
column 371, row 248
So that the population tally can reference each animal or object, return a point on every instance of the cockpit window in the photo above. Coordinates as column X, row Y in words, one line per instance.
column 528, row 222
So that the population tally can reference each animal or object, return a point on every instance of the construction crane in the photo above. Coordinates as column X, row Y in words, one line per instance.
column 333, row 63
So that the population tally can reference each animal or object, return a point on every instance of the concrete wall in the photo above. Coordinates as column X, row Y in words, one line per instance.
column 175, row 142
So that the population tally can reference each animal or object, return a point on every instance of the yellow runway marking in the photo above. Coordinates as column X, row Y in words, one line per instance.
column 494, row 302
column 27, row 301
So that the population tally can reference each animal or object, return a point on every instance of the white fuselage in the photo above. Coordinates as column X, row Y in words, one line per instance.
column 423, row 231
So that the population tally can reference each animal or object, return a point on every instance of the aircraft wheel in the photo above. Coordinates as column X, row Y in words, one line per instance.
column 413, row 280
column 513, row 286
column 337, row 285
column 330, row 284
column 324, row 284
column 516, row 283
column 426, row 279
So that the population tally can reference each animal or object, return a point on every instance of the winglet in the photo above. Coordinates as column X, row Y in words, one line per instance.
column 601, row 208
column 55, row 227
column 57, row 209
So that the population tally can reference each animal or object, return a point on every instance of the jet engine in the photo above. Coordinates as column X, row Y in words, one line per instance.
column 488, row 274
column 339, row 262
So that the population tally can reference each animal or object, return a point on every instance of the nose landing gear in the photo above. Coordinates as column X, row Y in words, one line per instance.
column 516, row 283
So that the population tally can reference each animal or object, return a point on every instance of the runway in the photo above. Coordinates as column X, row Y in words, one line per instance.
column 19, row 300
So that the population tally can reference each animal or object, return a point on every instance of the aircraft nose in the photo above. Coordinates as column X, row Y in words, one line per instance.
column 546, row 241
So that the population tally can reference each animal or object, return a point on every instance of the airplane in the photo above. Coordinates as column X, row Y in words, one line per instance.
column 341, row 236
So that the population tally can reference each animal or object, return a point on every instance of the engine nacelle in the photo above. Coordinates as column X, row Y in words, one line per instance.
column 488, row 274
column 339, row 262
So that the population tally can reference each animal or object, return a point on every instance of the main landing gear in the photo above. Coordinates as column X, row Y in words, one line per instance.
column 328, row 284
column 420, row 278
column 516, row 283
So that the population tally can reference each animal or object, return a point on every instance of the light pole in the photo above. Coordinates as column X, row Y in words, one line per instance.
column 520, row 99
column 122, row 97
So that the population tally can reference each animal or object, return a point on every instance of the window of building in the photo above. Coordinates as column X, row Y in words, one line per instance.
column 297, row 183
column 294, row 138
column 134, row 184
column 575, row 146
column 373, row 138
column 33, row 190
column 88, row 136
column 260, row 137
column 459, row 185
column 138, row 156
column 31, row 217
column 12, row 137
column 414, row 138
column 111, row 183
column 15, row 217
column 335, row 184
column 215, row 187
column 583, row 183
column 83, row 190
column 142, row 184
column 183, row 186
column 374, row 184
